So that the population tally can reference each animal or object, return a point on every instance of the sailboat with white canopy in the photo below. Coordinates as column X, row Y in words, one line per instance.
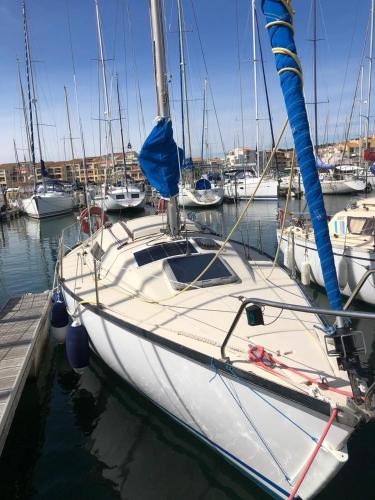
column 229, row 347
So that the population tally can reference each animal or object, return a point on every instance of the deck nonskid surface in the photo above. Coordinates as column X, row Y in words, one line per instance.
column 200, row 318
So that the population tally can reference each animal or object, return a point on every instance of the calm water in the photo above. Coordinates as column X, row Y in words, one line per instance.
column 93, row 437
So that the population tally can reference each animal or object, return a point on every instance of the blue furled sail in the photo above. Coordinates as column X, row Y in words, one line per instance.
column 279, row 16
column 372, row 169
column 160, row 158
column 43, row 169
column 320, row 164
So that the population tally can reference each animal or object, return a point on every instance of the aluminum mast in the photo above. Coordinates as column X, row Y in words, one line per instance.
column 163, row 110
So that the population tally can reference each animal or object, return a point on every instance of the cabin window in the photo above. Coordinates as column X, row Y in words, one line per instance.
column 184, row 270
column 120, row 196
column 363, row 226
column 162, row 251
column 135, row 195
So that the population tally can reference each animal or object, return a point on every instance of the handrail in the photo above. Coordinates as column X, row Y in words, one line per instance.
column 357, row 289
column 290, row 307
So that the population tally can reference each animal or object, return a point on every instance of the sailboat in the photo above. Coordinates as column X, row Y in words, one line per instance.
column 332, row 180
column 199, row 193
column 126, row 195
column 244, row 182
column 49, row 198
column 352, row 233
column 242, row 361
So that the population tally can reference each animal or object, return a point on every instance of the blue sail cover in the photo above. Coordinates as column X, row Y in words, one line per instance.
column 320, row 164
column 159, row 159
column 202, row 184
column 372, row 169
column 281, row 36
column 43, row 169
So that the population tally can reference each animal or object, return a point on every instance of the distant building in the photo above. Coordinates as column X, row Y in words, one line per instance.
column 240, row 157
column 13, row 175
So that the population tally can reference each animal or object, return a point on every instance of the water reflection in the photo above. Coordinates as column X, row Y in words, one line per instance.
column 93, row 437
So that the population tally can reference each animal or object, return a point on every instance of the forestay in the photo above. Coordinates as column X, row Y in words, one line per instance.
column 279, row 16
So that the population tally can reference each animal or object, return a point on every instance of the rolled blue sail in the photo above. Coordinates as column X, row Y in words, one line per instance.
column 43, row 169
column 159, row 159
column 279, row 14
column 320, row 164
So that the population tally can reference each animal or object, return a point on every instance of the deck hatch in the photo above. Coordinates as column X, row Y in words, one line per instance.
column 162, row 251
column 185, row 269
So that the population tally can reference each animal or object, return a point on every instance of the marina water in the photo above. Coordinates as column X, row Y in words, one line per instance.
column 93, row 437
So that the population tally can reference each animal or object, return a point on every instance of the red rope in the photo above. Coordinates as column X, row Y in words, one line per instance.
column 314, row 453
column 258, row 355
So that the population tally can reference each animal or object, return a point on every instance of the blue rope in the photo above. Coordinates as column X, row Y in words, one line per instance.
column 214, row 367
column 230, row 369
column 248, row 418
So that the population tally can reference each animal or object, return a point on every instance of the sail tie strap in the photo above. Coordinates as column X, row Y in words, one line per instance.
column 282, row 23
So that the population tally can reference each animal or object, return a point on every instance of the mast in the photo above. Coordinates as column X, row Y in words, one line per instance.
column 107, row 112
column 32, row 96
column 367, row 121
column 69, row 125
column 315, row 77
column 206, row 121
column 31, row 124
column 360, row 117
column 24, row 109
column 255, row 87
column 157, row 35
column 121, row 130
column 186, row 141
column 204, row 118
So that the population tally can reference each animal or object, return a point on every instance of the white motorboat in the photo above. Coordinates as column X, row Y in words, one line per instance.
column 164, row 306
column 243, row 185
column 203, row 195
column 352, row 233
column 48, row 201
column 121, row 198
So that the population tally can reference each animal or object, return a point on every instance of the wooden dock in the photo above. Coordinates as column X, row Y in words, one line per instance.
column 23, row 331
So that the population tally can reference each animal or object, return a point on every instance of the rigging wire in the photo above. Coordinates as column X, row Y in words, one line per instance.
column 126, row 77
column 208, row 79
column 78, row 112
column 334, row 138
column 240, row 76
column 354, row 99
column 140, row 113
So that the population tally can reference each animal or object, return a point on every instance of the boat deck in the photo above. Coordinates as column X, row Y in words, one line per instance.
column 199, row 318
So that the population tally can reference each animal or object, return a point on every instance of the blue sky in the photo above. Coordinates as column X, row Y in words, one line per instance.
column 342, row 26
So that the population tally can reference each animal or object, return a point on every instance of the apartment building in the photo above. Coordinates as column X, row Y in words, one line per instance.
column 13, row 175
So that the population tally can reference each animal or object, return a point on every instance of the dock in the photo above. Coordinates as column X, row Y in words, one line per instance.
column 23, row 332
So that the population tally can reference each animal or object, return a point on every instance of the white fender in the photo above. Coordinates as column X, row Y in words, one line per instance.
column 305, row 272
column 342, row 273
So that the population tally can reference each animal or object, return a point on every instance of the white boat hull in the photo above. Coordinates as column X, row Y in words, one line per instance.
column 200, row 198
column 244, row 189
column 263, row 433
column 40, row 206
column 121, row 199
column 350, row 266
column 342, row 186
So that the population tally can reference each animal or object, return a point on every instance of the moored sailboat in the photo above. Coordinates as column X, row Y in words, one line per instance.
column 161, row 300
column 48, row 199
